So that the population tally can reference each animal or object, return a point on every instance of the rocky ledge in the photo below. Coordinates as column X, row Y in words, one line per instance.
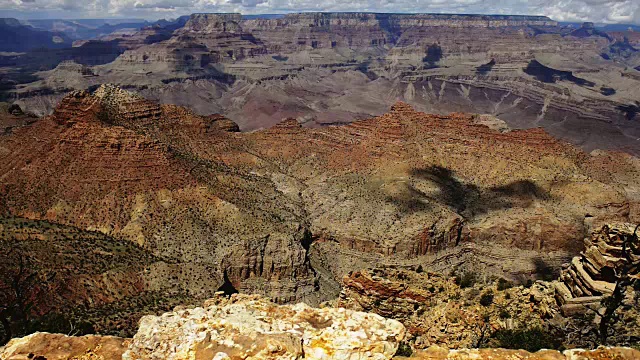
column 592, row 275
column 250, row 327
column 438, row 353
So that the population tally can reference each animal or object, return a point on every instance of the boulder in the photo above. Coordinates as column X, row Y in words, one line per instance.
column 57, row 346
column 250, row 327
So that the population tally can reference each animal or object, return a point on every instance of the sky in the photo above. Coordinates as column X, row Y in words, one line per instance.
column 599, row 11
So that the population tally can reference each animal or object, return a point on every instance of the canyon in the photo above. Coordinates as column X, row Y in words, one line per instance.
column 322, row 185
column 287, row 212
column 331, row 68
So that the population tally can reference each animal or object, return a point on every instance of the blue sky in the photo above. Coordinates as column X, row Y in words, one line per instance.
column 601, row 11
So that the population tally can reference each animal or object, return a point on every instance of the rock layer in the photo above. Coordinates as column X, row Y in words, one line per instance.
column 527, row 71
column 57, row 346
column 592, row 276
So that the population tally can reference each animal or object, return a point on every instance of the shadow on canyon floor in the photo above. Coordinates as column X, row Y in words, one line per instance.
column 468, row 200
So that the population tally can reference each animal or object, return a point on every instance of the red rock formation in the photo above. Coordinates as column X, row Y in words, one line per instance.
column 403, row 187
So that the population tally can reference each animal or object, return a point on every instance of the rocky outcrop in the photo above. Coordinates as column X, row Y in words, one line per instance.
column 77, row 106
column 590, row 277
column 126, row 108
column 438, row 353
column 222, row 123
column 41, row 346
column 437, row 311
column 250, row 327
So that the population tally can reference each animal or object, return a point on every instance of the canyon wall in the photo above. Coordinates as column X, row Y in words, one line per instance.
column 332, row 68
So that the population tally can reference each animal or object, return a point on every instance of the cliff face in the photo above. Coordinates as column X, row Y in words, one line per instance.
column 17, row 37
column 213, row 23
column 610, row 252
column 367, row 30
column 208, row 39
column 205, row 39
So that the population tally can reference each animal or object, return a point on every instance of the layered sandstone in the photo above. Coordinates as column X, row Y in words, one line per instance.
column 328, row 68
column 123, row 107
column 205, row 40
column 366, row 30
column 592, row 276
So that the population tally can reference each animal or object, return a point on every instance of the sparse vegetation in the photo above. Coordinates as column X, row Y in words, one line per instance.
column 532, row 340
column 504, row 284
column 40, row 260
column 487, row 298
column 404, row 349
column 466, row 280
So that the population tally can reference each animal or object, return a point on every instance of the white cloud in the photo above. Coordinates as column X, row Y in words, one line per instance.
column 607, row 11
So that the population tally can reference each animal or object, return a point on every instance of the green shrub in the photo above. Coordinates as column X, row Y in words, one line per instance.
column 486, row 299
column 532, row 340
column 466, row 280
column 473, row 293
column 404, row 349
column 504, row 284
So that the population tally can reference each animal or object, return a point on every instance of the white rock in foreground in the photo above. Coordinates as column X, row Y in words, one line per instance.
column 250, row 327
